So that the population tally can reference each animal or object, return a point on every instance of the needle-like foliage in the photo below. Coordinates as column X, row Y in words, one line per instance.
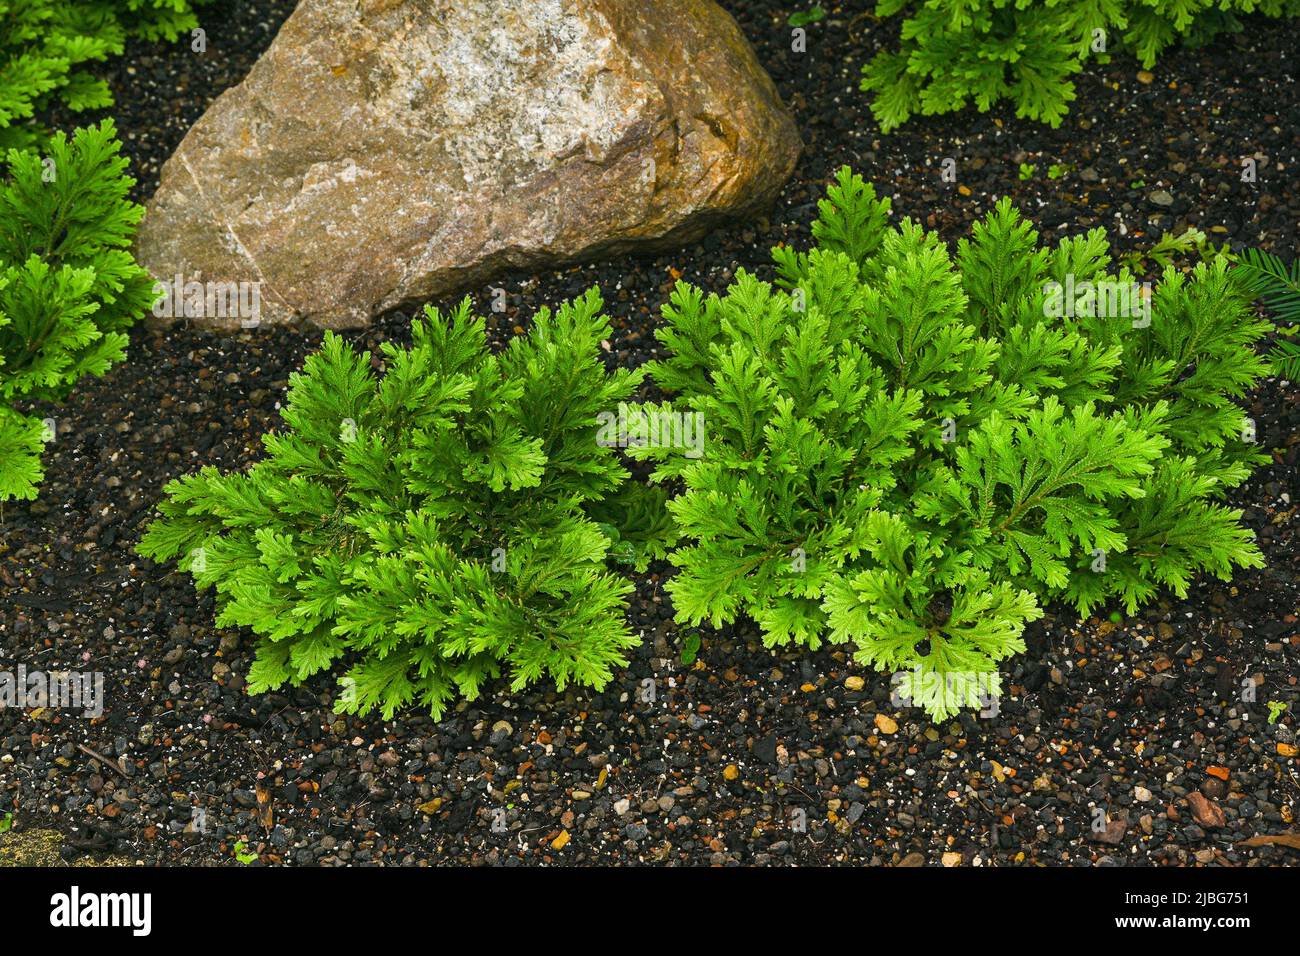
column 1277, row 286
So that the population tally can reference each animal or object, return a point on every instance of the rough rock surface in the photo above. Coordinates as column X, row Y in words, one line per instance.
column 389, row 151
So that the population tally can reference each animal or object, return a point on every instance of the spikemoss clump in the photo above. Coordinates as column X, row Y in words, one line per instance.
column 436, row 527
column 978, row 52
column 47, row 45
column 69, row 288
column 910, row 451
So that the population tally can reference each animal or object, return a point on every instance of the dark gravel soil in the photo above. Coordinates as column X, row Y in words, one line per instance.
column 1141, row 719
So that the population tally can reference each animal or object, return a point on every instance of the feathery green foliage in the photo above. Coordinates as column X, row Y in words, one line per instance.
column 953, row 53
column 69, row 287
column 437, row 527
column 910, row 451
column 1277, row 285
column 45, row 46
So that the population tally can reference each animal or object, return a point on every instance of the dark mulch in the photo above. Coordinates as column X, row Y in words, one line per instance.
column 1128, row 717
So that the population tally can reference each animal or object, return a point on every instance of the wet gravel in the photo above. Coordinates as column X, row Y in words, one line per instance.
column 746, row 757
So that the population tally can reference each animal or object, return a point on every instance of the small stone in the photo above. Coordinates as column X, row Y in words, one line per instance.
column 913, row 859
column 1146, row 77
column 731, row 772
column 560, row 841
column 1286, row 750
column 854, row 683
column 1114, row 832
column 503, row 727
column 622, row 806
column 1161, row 197
column 764, row 748
column 951, row 859
column 886, row 724
column 1141, row 794
column 1206, row 811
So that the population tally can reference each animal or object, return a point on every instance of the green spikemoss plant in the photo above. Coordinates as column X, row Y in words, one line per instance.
column 69, row 289
column 446, row 523
column 978, row 52
column 910, row 451
column 46, row 45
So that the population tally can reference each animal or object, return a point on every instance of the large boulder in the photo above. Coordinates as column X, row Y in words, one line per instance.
column 389, row 151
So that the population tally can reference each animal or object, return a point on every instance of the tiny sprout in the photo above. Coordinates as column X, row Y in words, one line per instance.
column 690, row 648
column 805, row 17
